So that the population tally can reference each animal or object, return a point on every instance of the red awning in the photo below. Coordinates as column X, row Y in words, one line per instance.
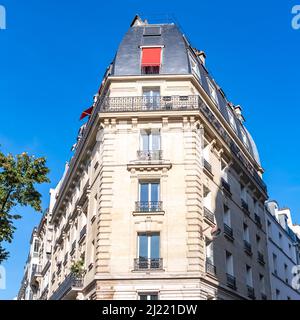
column 151, row 57
column 86, row 113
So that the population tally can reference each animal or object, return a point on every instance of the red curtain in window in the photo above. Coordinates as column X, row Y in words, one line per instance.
column 151, row 57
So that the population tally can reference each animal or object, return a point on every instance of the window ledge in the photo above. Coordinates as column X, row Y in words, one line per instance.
column 149, row 165
column 148, row 213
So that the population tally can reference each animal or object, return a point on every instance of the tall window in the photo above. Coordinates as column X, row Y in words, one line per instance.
column 277, row 294
column 246, row 233
column 258, row 243
column 209, row 251
column 262, row 284
column 231, row 120
column 213, row 91
column 286, row 275
column 151, row 97
column 207, row 198
column 149, row 196
column 36, row 246
column 229, row 263
column 148, row 250
column 151, row 60
column 195, row 68
column 275, row 263
column 227, row 217
column 150, row 140
column 249, row 277
column 244, row 137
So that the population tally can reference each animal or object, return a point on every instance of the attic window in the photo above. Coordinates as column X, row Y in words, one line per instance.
column 152, row 31
column 231, row 120
column 195, row 68
column 151, row 60
column 244, row 139
column 213, row 92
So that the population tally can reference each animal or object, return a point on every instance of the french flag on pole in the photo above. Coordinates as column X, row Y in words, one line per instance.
column 86, row 112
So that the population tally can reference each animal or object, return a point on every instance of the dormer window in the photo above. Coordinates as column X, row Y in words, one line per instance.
column 231, row 120
column 213, row 92
column 151, row 60
column 245, row 140
column 195, row 68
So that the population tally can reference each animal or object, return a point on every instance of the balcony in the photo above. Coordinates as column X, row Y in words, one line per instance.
column 148, row 206
column 248, row 247
column 148, row 264
column 36, row 276
column 231, row 281
column 250, row 292
column 257, row 220
column 68, row 289
column 260, row 258
column 143, row 103
column 82, row 233
column 245, row 206
column 209, row 216
column 226, row 186
column 210, row 268
column 153, row 155
column 228, row 232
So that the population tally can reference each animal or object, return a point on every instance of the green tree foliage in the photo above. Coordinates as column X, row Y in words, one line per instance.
column 19, row 176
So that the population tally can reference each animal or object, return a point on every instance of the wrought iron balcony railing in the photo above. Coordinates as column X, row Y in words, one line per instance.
column 251, row 292
column 71, row 282
column 260, row 258
column 211, row 268
column 148, row 206
column 247, row 247
column 209, row 215
column 226, row 186
column 150, row 155
column 228, row 232
column 231, row 281
column 148, row 264
column 144, row 103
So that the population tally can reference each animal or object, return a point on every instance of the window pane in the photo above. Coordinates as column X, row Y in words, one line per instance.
column 154, row 246
column 156, row 141
column 144, row 192
column 145, row 142
column 154, row 297
column 155, row 192
column 143, row 246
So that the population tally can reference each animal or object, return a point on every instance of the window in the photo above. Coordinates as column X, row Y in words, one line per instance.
column 148, row 296
column 269, row 229
column 151, row 60
column 151, row 97
column 195, row 67
column 231, row 120
column 275, row 263
column 36, row 246
column 246, row 233
column 258, row 243
column 209, row 251
column 277, row 294
column 244, row 137
column 229, row 263
column 213, row 91
column 249, row 277
column 262, row 284
column 280, row 239
column 206, row 198
column 148, row 250
column 150, row 140
column 286, row 273
column 149, row 196
column 226, row 217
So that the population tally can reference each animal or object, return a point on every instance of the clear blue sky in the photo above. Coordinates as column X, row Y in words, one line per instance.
column 54, row 53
